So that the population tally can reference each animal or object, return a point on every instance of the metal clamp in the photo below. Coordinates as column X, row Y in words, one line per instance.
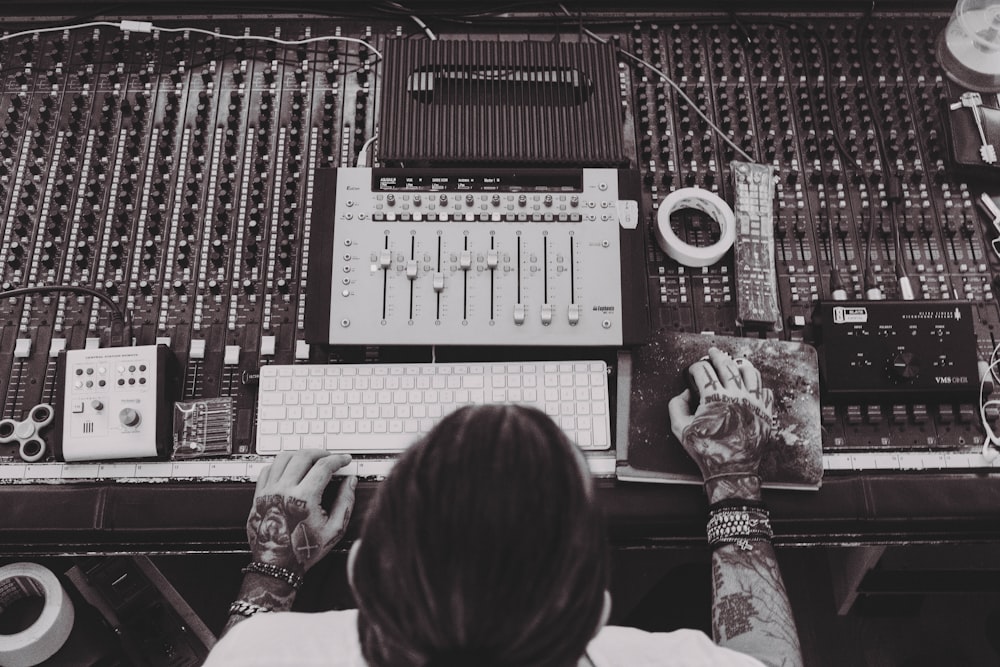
column 31, row 445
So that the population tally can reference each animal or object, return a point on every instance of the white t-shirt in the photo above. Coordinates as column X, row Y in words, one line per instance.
column 330, row 639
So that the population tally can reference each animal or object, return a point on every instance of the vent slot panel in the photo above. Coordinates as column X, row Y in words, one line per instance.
column 525, row 103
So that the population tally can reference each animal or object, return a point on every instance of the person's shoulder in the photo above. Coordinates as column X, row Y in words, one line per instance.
column 618, row 645
column 294, row 639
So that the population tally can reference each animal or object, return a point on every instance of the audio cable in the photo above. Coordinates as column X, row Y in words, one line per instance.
column 680, row 92
column 126, row 25
column 991, row 440
column 124, row 319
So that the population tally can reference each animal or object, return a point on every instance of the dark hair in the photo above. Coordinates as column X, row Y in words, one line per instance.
column 483, row 548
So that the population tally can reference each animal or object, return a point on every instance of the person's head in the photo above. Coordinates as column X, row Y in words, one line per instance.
column 484, row 547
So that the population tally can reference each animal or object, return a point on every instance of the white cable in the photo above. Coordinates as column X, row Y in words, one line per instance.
column 906, row 289
column 39, row 31
column 991, row 441
column 362, row 160
column 275, row 40
column 585, row 30
column 146, row 26
column 413, row 17
column 423, row 26
column 680, row 92
column 718, row 130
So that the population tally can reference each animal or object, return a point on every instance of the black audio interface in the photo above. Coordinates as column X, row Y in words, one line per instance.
column 897, row 351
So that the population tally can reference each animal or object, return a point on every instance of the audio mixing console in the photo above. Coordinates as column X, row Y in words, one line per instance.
column 183, row 175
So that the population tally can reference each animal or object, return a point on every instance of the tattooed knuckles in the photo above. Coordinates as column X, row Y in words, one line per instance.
column 761, row 408
column 731, row 421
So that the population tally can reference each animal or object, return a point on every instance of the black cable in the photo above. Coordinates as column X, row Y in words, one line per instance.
column 116, row 311
column 836, row 279
column 893, row 184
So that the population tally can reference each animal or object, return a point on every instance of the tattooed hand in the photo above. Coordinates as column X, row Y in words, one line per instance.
column 732, row 421
column 287, row 526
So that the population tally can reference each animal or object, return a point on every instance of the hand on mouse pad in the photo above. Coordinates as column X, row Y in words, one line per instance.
column 724, row 417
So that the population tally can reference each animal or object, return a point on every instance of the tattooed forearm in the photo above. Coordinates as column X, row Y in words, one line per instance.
column 726, row 435
column 265, row 591
column 744, row 487
column 750, row 611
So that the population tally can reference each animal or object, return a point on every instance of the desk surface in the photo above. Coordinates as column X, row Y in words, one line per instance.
column 808, row 75
column 199, row 518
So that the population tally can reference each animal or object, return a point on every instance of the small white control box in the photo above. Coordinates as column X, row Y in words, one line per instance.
column 115, row 403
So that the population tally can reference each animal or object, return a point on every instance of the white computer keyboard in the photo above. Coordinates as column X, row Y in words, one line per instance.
column 384, row 408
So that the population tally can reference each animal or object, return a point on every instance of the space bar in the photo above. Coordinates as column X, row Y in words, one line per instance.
column 387, row 443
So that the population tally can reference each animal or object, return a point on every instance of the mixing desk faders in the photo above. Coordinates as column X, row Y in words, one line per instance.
column 216, row 183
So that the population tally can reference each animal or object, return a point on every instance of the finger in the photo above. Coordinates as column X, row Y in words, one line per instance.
column 300, row 463
column 679, row 411
column 278, row 466
column 320, row 474
column 262, row 479
column 768, row 398
column 704, row 378
column 340, row 513
column 751, row 377
column 726, row 369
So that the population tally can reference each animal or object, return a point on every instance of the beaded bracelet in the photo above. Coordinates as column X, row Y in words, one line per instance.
column 739, row 526
column 740, row 513
column 740, row 503
column 716, row 533
column 244, row 608
column 291, row 578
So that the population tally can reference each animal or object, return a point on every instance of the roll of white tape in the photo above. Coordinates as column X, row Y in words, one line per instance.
column 40, row 641
column 706, row 202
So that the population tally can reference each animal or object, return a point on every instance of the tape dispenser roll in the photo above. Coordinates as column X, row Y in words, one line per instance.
column 708, row 203
column 47, row 634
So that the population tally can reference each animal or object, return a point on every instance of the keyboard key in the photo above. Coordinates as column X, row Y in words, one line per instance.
column 268, row 444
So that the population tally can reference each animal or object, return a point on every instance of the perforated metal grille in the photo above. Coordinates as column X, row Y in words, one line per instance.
column 526, row 103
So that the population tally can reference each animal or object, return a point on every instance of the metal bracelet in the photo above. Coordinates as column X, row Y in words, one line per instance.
column 267, row 569
column 244, row 608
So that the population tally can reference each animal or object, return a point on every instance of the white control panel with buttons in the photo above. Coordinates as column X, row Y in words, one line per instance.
column 113, row 403
column 480, row 257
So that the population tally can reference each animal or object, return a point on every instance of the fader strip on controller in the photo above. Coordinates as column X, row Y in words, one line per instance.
column 517, row 257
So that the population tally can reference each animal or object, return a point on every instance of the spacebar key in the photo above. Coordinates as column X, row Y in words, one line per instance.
column 362, row 444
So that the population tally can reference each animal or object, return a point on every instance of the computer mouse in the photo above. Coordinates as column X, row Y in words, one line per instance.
column 331, row 491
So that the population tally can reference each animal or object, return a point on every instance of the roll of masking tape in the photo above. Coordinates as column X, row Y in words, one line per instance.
column 708, row 203
column 47, row 634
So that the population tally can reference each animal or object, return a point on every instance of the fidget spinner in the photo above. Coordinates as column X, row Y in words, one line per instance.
column 26, row 433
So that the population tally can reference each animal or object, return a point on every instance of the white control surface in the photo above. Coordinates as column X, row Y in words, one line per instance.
column 110, row 404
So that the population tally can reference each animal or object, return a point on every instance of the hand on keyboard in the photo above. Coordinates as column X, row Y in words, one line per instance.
column 288, row 526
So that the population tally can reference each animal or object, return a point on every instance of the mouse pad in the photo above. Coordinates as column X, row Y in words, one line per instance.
column 793, row 457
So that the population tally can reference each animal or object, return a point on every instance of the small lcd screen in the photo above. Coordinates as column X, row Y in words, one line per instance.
column 477, row 180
